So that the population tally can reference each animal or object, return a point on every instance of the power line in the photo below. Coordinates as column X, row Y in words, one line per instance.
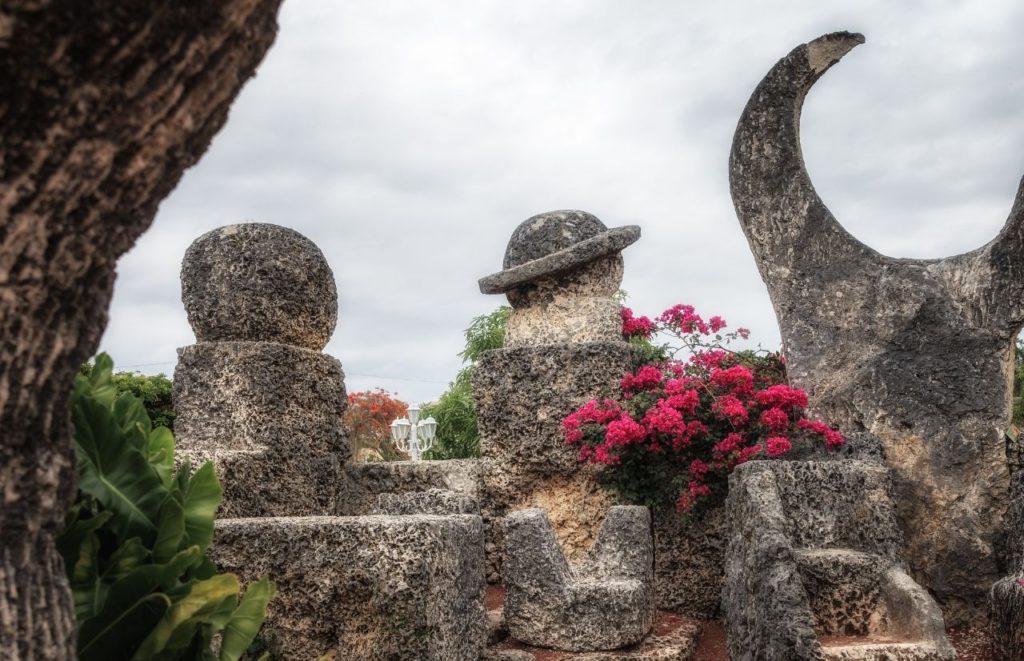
column 369, row 376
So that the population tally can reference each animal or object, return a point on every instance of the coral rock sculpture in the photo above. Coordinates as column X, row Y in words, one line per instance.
column 914, row 351
column 604, row 603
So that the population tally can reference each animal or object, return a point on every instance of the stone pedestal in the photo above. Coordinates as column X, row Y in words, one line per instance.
column 522, row 395
column 363, row 588
column 255, row 395
column 269, row 416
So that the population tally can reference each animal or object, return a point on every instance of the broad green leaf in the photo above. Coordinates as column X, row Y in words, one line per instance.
column 75, row 530
column 201, row 500
column 173, row 573
column 116, row 473
column 160, row 448
column 97, row 383
column 182, row 618
column 128, row 557
column 131, row 609
column 87, row 591
column 246, row 621
column 170, row 531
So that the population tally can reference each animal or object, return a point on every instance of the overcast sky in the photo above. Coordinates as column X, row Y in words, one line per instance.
column 408, row 139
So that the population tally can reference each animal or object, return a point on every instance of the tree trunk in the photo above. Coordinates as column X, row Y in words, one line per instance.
column 103, row 105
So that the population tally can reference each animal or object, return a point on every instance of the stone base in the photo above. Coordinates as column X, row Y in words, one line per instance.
column 674, row 638
column 812, row 554
column 373, row 587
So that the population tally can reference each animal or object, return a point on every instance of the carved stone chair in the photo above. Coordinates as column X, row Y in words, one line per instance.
column 604, row 603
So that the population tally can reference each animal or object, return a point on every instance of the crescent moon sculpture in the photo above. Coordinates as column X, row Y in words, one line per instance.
column 910, row 356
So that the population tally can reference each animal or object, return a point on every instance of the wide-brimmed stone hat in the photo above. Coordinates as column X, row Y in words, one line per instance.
column 555, row 242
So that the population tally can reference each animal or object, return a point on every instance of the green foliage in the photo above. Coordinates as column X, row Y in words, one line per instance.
column 485, row 332
column 134, row 543
column 153, row 390
column 457, row 434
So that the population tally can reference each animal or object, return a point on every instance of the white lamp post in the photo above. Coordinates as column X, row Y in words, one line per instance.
column 412, row 436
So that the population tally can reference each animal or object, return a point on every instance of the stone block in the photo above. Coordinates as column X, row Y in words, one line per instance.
column 689, row 559
column 373, row 587
column 267, row 483
column 813, row 571
column 431, row 501
column 259, row 396
column 521, row 396
column 605, row 603
column 365, row 482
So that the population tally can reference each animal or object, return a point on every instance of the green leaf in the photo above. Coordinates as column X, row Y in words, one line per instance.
column 201, row 500
column 87, row 591
column 116, row 472
column 97, row 383
column 170, row 535
column 131, row 610
column 160, row 449
column 182, row 618
column 246, row 621
column 127, row 558
column 173, row 573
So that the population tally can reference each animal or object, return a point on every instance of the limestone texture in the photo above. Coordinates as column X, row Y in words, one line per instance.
column 914, row 351
column 521, row 396
column 554, row 243
column 1007, row 625
column 365, row 483
column 374, row 587
column 259, row 282
column 814, row 552
column 689, row 559
column 604, row 603
column 259, row 395
column 431, row 501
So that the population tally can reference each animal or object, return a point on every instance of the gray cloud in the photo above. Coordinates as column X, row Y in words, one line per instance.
column 408, row 139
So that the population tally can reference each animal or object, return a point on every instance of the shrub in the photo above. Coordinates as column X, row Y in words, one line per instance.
column 368, row 422
column 679, row 426
column 134, row 542
column 155, row 391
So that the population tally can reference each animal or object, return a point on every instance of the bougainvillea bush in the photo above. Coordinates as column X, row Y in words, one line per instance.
column 690, row 412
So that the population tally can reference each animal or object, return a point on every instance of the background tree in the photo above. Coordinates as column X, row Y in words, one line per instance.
column 154, row 391
column 104, row 106
column 368, row 422
column 457, row 434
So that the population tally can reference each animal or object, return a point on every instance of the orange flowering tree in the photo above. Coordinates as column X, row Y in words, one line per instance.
column 368, row 421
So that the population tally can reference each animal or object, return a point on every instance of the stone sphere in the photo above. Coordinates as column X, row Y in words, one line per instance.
column 261, row 283
column 546, row 233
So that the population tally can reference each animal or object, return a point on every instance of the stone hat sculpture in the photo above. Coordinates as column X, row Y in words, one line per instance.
column 553, row 243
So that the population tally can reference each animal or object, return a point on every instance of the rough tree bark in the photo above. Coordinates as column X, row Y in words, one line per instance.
column 916, row 352
column 103, row 105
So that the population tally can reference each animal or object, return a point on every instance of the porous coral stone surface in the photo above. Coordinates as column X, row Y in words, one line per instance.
column 259, row 282
column 915, row 351
column 522, row 395
column 408, row 588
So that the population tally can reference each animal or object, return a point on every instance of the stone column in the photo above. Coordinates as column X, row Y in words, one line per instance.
column 563, row 347
column 255, row 394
